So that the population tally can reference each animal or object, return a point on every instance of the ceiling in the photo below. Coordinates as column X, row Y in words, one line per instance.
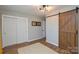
column 27, row 9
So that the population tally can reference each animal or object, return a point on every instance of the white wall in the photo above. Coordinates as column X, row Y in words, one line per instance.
column 44, row 27
column 62, row 9
column 52, row 29
column 34, row 32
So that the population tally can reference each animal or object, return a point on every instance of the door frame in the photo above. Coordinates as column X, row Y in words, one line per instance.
column 12, row 17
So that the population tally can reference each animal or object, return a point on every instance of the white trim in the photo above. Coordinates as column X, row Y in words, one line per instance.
column 33, row 39
column 2, row 31
column 13, row 16
column 52, row 43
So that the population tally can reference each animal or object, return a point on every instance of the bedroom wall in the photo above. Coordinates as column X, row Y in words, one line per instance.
column 44, row 27
column 18, row 14
column 35, row 32
column 62, row 9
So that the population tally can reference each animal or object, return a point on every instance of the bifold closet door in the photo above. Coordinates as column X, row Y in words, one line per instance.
column 8, row 31
column 67, row 30
column 15, row 30
column 22, row 30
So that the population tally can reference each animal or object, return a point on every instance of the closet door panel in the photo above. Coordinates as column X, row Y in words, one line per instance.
column 15, row 30
column 9, row 31
column 22, row 30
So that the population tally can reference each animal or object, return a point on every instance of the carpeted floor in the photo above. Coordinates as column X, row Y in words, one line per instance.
column 36, row 48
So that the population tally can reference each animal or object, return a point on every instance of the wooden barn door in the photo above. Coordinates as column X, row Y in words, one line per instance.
column 68, row 30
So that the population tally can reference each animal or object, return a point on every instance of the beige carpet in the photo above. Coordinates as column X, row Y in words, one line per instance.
column 36, row 48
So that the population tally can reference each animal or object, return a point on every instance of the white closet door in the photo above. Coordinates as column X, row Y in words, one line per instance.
column 52, row 29
column 15, row 30
column 22, row 30
column 9, row 31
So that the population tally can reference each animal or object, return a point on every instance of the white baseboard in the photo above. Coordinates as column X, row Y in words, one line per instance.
column 34, row 39
column 51, row 42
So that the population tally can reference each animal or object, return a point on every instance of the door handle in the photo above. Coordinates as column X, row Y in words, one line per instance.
column 76, row 31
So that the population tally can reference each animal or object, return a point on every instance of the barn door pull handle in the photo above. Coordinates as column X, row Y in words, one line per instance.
column 76, row 31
